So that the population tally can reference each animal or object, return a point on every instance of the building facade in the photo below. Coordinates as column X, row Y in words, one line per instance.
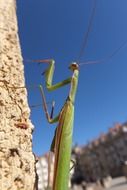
column 102, row 157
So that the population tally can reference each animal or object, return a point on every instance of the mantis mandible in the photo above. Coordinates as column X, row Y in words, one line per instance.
column 62, row 141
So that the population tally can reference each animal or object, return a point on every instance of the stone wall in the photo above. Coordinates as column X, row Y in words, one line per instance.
column 16, row 159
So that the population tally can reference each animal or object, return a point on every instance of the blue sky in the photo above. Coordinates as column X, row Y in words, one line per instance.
column 55, row 29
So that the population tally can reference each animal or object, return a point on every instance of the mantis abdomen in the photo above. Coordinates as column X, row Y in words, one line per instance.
column 63, row 142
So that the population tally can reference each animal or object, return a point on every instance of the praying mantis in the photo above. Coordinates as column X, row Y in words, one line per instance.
column 62, row 141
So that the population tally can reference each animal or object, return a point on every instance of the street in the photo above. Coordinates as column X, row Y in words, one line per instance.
column 118, row 184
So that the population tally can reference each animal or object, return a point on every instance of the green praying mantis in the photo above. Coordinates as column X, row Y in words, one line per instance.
column 62, row 141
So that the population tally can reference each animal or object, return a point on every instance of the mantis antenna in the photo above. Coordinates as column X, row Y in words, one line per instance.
column 83, row 47
column 116, row 51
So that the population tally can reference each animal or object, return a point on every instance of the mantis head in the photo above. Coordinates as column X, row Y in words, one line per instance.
column 74, row 66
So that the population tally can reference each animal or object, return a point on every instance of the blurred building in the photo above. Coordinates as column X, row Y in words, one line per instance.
column 101, row 157
column 44, row 169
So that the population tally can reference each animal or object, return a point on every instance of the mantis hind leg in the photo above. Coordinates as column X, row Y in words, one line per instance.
column 52, row 110
column 73, row 162
column 52, row 147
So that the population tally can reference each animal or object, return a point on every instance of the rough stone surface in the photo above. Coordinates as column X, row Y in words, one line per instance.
column 16, row 158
